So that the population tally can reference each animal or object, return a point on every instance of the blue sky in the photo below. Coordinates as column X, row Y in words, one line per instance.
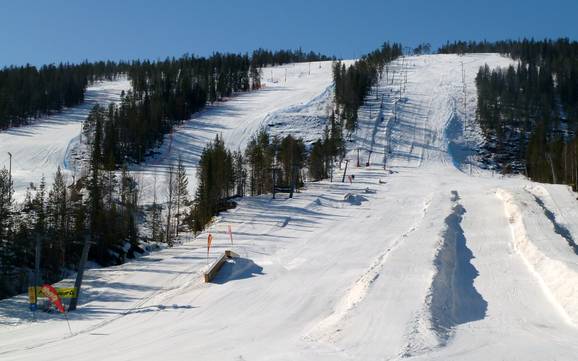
column 46, row 31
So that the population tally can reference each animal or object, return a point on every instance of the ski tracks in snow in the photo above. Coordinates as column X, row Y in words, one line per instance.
column 543, row 250
column 326, row 330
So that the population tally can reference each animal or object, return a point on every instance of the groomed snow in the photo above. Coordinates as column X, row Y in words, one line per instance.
column 39, row 149
column 428, row 260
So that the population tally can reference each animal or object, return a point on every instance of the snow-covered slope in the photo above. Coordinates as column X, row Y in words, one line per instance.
column 424, row 261
column 39, row 149
column 296, row 99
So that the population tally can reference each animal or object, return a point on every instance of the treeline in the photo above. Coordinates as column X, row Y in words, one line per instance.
column 263, row 57
column 353, row 83
column 166, row 93
column 466, row 47
column 100, row 208
column 27, row 92
column 529, row 112
column 268, row 165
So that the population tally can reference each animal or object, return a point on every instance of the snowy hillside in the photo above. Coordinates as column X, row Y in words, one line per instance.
column 39, row 149
column 434, row 259
column 296, row 99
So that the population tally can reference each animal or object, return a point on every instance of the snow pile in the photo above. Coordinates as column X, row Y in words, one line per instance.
column 559, row 279
column 354, row 199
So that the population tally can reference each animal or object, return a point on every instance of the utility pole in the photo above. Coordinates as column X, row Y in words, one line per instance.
column 273, row 169
column 37, row 250
column 292, row 181
column 465, row 96
column 358, row 165
column 80, row 274
column 345, row 171
column 10, row 169
column 384, row 160
column 386, row 74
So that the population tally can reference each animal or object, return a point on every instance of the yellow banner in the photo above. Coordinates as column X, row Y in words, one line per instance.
column 63, row 292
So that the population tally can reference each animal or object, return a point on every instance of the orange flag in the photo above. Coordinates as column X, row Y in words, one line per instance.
column 51, row 293
column 209, row 241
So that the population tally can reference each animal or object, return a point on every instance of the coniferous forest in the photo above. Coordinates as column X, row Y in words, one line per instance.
column 27, row 93
column 354, row 82
column 529, row 112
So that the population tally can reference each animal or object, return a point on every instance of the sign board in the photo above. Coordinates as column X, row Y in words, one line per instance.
column 63, row 292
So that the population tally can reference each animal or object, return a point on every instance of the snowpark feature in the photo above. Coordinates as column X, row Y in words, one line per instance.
column 440, row 261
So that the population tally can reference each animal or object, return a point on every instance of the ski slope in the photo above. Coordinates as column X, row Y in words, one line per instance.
column 295, row 99
column 432, row 259
column 40, row 148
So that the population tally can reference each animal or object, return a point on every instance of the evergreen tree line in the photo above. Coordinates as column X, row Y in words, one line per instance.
column 100, row 208
column 27, row 92
column 166, row 93
column 529, row 112
column 267, row 165
column 423, row 48
column 353, row 83
column 263, row 57
column 175, row 88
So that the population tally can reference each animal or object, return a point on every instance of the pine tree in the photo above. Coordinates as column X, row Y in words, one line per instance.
column 6, row 220
column 155, row 218
column 317, row 170
column 239, row 173
column 171, row 193
column 215, row 177
column 57, row 209
column 181, row 192
column 291, row 156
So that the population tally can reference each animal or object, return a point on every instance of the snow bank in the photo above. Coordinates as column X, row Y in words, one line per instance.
column 558, row 279
column 452, row 298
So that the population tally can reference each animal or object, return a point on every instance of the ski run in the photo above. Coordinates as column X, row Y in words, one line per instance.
column 433, row 259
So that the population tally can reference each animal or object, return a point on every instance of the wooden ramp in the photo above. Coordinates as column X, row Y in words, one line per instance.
column 216, row 266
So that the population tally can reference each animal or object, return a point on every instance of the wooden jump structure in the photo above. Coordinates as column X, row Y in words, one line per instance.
column 216, row 266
